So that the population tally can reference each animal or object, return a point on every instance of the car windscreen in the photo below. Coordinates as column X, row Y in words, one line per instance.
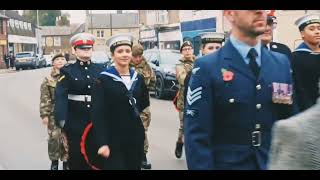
column 170, row 57
column 23, row 55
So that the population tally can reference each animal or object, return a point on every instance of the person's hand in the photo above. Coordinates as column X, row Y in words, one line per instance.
column 45, row 121
column 104, row 151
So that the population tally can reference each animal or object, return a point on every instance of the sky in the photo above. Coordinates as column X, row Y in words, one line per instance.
column 78, row 16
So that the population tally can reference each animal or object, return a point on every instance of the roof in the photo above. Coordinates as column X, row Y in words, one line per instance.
column 55, row 30
column 15, row 15
column 126, row 20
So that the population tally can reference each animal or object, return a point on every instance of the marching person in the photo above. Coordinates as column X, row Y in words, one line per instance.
column 267, row 38
column 211, row 42
column 141, row 65
column 119, row 96
column 57, row 142
column 234, row 97
column 73, row 96
column 306, row 61
column 182, row 69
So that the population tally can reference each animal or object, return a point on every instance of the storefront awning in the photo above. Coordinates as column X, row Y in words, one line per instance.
column 22, row 39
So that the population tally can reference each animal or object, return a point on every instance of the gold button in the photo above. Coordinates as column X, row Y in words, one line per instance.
column 89, row 86
column 258, row 106
column 88, row 76
column 81, row 63
column 76, row 79
column 86, row 68
column 231, row 100
column 88, row 105
column 258, row 87
column 258, row 126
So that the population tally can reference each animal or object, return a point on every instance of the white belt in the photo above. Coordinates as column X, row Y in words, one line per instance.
column 85, row 98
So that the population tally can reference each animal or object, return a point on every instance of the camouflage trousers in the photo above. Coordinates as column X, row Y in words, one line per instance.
column 57, row 142
column 180, row 133
column 145, row 116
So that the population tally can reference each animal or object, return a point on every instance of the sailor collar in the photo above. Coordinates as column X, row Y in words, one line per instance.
column 112, row 72
column 303, row 47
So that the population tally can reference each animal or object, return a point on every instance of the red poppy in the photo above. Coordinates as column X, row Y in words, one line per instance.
column 227, row 75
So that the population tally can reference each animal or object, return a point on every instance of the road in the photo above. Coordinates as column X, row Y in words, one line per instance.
column 23, row 137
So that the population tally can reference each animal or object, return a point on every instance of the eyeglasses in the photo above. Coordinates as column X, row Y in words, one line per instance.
column 187, row 49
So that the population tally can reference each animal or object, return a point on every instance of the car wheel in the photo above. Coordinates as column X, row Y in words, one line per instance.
column 159, row 88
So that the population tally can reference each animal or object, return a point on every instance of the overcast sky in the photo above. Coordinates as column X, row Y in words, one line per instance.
column 78, row 16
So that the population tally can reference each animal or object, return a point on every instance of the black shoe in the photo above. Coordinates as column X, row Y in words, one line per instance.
column 145, row 164
column 178, row 151
column 65, row 166
column 54, row 165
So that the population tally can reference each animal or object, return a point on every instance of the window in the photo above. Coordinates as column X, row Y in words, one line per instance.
column 57, row 41
column 1, row 27
column 102, row 34
column 98, row 33
column 29, row 26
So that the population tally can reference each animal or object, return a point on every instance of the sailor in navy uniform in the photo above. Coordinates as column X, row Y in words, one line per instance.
column 211, row 42
column 306, row 61
column 73, row 96
column 267, row 38
column 233, row 100
column 119, row 96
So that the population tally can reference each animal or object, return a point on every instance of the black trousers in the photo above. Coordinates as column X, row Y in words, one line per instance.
column 127, row 158
column 76, row 159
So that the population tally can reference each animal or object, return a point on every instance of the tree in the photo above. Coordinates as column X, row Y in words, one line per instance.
column 64, row 20
column 46, row 17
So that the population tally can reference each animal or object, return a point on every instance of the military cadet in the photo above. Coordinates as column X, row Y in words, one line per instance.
column 306, row 61
column 119, row 96
column 57, row 142
column 143, row 68
column 267, row 38
column 182, row 70
column 211, row 42
column 73, row 96
column 234, row 97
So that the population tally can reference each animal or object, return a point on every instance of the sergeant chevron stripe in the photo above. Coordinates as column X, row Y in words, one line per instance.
column 193, row 96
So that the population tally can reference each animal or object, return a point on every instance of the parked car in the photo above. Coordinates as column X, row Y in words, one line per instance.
column 163, row 62
column 48, row 59
column 101, row 58
column 42, row 61
column 26, row 59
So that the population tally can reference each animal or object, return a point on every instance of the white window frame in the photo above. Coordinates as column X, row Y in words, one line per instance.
column 56, row 41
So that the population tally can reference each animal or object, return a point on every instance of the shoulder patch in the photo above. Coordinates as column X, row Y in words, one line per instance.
column 61, row 78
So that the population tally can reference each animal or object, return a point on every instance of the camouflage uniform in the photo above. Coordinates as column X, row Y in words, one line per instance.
column 182, row 70
column 57, row 141
column 149, row 78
